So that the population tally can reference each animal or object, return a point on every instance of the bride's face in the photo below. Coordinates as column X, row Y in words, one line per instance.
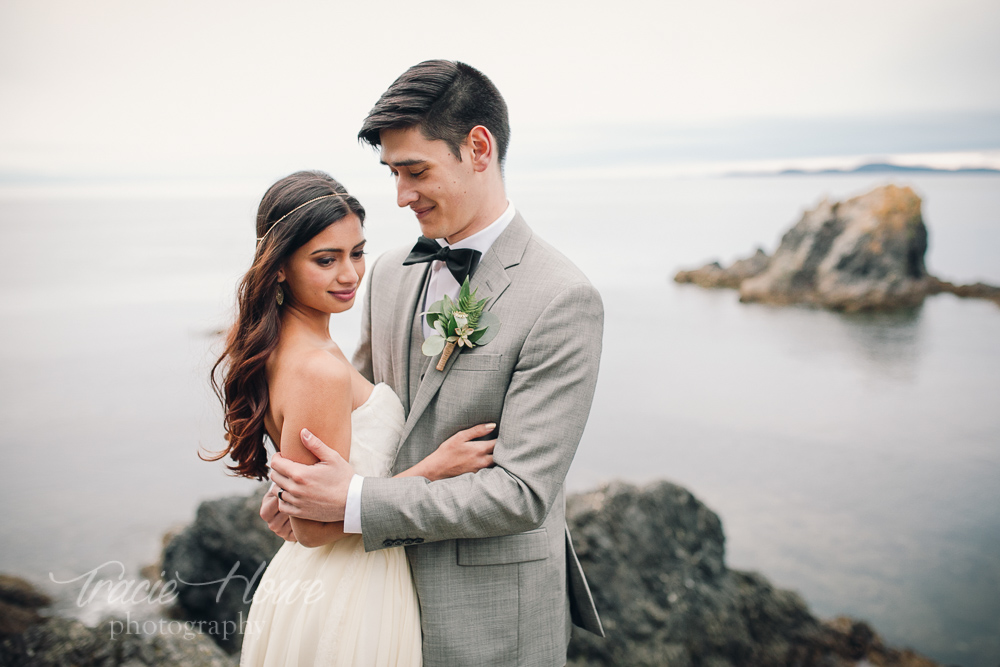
column 324, row 274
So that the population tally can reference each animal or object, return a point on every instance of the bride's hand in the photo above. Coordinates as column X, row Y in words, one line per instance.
column 459, row 454
column 275, row 520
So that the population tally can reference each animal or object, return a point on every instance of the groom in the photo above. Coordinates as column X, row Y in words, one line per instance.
column 492, row 561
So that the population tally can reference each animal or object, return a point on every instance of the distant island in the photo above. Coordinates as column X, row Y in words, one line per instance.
column 871, row 168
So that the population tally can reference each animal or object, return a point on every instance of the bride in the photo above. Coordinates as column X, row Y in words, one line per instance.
column 323, row 600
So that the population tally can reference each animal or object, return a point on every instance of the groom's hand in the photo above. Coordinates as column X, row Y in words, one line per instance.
column 318, row 491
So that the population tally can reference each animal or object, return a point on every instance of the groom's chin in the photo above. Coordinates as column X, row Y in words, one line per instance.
column 429, row 229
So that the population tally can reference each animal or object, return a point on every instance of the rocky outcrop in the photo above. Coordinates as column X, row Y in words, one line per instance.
column 861, row 254
column 19, row 605
column 217, row 561
column 866, row 253
column 29, row 639
column 655, row 559
column 713, row 275
column 654, row 556
column 974, row 291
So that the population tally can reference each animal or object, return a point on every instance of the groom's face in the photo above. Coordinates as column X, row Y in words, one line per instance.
column 438, row 187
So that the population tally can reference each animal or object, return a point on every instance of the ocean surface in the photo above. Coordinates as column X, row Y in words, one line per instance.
column 853, row 458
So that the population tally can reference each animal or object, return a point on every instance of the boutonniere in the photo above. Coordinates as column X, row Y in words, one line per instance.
column 461, row 323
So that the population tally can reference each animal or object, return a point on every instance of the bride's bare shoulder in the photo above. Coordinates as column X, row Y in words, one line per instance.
column 308, row 374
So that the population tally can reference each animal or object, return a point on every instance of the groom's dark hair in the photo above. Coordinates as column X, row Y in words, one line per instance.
column 445, row 99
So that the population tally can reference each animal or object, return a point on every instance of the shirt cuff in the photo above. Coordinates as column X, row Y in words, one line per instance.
column 352, row 511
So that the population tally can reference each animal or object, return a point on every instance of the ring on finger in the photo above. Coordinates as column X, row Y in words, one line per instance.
column 279, row 493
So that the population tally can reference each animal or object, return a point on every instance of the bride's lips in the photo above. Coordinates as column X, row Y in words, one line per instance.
column 346, row 295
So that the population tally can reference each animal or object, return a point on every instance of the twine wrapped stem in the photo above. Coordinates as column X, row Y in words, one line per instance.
column 448, row 349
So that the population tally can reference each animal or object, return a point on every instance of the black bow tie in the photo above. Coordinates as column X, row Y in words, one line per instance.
column 460, row 261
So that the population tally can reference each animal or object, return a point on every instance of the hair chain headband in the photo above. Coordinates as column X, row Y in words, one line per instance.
column 335, row 194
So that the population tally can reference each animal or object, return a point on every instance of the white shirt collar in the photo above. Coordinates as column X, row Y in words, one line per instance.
column 484, row 238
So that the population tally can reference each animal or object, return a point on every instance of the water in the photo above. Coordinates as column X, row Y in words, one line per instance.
column 852, row 458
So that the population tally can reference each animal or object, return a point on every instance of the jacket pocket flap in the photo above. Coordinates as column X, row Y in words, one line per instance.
column 520, row 548
column 476, row 362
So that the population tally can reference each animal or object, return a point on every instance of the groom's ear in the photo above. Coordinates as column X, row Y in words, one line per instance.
column 482, row 147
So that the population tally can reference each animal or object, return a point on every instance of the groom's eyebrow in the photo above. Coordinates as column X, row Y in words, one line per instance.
column 337, row 249
column 403, row 163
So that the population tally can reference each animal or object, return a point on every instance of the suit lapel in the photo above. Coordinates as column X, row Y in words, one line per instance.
column 407, row 301
column 489, row 281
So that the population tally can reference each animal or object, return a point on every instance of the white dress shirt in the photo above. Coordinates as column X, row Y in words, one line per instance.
column 441, row 282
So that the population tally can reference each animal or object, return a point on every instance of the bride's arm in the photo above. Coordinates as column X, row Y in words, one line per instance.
column 459, row 454
column 320, row 399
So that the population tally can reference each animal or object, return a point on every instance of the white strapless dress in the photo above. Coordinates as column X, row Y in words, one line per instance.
column 338, row 605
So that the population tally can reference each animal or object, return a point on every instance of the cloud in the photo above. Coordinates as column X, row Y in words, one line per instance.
column 121, row 84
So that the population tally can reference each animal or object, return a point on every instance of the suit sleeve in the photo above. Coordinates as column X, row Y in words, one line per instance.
column 362, row 359
column 545, row 410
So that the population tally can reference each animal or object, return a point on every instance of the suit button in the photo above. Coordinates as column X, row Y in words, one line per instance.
column 407, row 541
column 418, row 540
column 387, row 543
column 397, row 543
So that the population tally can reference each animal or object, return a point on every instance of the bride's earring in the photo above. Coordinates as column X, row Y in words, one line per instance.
column 280, row 296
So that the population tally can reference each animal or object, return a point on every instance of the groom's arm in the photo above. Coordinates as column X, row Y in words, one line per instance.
column 545, row 410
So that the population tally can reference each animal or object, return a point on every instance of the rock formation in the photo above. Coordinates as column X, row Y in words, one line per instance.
column 19, row 605
column 28, row 639
column 866, row 253
column 974, row 291
column 714, row 275
column 655, row 558
column 227, row 542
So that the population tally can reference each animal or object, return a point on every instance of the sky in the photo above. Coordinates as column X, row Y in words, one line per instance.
column 215, row 87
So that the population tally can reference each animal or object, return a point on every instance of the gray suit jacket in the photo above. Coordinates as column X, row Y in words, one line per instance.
column 495, row 571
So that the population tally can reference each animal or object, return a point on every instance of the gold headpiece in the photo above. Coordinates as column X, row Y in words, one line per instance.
column 335, row 194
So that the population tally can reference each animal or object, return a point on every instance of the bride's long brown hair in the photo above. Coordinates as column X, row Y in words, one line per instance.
column 287, row 219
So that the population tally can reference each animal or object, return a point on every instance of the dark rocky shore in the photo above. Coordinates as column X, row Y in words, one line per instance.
column 30, row 639
column 654, row 555
column 655, row 558
column 866, row 253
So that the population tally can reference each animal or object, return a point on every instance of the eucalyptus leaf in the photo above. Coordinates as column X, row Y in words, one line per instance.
column 489, row 325
column 488, row 319
column 433, row 346
column 439, row 327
